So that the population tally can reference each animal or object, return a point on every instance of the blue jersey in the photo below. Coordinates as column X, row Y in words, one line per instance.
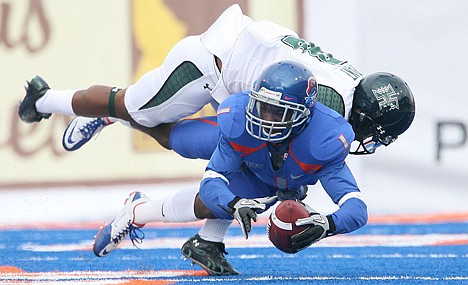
column 241, row 164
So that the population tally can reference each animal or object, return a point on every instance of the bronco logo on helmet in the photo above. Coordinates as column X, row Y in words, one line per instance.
column 311, row 91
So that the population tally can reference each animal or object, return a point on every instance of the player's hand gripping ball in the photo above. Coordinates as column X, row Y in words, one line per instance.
column 281, row 224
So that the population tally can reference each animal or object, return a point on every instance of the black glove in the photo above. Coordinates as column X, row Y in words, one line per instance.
column 298, row 194
column 243, row 210
column 320, row 226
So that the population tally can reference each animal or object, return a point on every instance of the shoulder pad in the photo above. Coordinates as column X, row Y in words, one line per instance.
column 330, row 133
column 231, row 115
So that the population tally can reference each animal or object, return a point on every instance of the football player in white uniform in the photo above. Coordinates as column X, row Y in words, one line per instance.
column 199, row 70
column 206, row 69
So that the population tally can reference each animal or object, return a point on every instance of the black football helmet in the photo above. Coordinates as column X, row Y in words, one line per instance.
column 383, row 109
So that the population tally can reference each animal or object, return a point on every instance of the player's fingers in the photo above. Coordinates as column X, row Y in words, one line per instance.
column 246, row 216
column 267, row 200
column 250, row 215
column 253, row 216
column 304, row 239
column 302, row 244
column 311, row 233
column 246, row 227
column 304, row 221
column 246, row 235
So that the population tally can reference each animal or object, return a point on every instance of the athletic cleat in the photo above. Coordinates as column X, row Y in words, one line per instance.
column 111, row 235
column 209, row 255
column 27, row 108
column 80, row 130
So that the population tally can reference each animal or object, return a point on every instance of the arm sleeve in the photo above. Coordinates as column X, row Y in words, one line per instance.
column 214, row 189
column 340, row 185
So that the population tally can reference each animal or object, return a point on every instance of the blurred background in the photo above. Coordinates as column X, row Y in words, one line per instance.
column 76, row 44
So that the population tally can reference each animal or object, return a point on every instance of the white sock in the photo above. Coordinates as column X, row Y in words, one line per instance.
column 59, row 102
column 178, row 208
column 214, row 229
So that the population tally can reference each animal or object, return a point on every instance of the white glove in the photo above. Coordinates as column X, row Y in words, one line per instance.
column 244, row 210
column 319, row 227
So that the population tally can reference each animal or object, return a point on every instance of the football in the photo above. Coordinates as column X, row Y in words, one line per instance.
column 281, row 224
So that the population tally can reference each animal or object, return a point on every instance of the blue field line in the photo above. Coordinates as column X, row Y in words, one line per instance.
column 264, row 265
column 420, row 229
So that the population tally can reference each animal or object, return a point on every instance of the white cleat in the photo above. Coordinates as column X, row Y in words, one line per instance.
column 80, row 130
column 111, row 235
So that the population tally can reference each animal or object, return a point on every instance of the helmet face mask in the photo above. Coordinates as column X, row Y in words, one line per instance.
column 383, row 109
column 273, row 119
column 281, row 102
column 368, row 144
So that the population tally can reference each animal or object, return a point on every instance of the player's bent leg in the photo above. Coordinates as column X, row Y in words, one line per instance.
column 190, row 138
column 215, row 229
column 80, row 130
column 161, row 133
column 200, row 210
column 35, row 90
column 110, row 236
column 98, row 101
column 186, row 206
column 209, row 254
column 195, row 138
column 180, row 87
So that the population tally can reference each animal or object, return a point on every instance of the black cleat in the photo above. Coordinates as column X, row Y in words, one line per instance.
column 209, row 255
column 27, row 108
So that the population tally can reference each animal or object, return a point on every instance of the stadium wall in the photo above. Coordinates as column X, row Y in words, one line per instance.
column 76, row 44
column 425, row 43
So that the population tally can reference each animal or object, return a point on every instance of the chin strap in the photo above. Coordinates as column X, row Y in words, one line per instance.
column 362, row 150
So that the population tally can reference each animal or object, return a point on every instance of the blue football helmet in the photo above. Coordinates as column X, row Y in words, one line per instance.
column 281, row 102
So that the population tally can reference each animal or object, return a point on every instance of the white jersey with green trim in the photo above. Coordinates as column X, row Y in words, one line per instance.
column 247, row 47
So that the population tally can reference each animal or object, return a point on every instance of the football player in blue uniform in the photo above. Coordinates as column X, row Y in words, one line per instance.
column 208, row 68
column 383, row 109
column 274, row 141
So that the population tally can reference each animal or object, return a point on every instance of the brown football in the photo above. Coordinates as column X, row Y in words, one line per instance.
column 281, row 224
